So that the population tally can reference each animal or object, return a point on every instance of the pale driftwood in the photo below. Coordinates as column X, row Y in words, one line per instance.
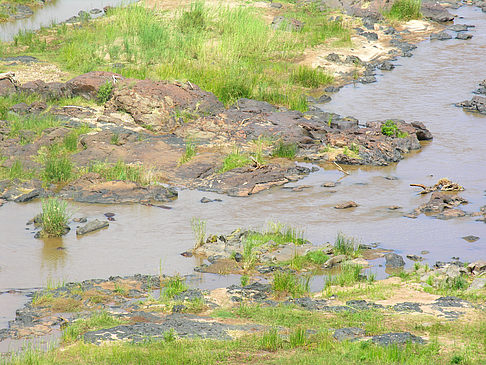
column 9, row 76
column 419, row 185
column 340, row 168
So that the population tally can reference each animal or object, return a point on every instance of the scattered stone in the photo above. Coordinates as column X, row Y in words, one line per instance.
column 435, row 12
column 459, row 27
column 386, row 66
column 394, row 207
column 346, row 205
column 275, row 5
column 476, row 104
column 348, row 334
column 470, row 238
column 328, row 184
column 91, row 227
column 451, row 301
column 109, row 215
column 396, row 338
column 393, row 260
column 363, row 305
column 424, row 252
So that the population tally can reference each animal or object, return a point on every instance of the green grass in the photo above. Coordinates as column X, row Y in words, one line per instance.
column 390, row 129
column 235, row 160
column 54, row 217
column 97, row 320
column 285, row 150
column 230, row 51
column 404, row 10
column 174, row 286
column 199, row 229
column 278, row 233
column 310, row 259
column 105, row 91
column 16, row 171
column 31, row 122
column 121, row 171
column 288, row 283
column 350, row 274
column 344, row 245
column 58, row 168
column 309, row 77
column 189, row 152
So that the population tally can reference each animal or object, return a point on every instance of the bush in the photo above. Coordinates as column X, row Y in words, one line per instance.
column 54, row 217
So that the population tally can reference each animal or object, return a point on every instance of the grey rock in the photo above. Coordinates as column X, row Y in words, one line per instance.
column 91, row 227
column 477, row 284
column 415, row 258
column 393, row 260
column 436, row 12
column 407, row 307
column 386, row 66
column 440, row 36
column 333, row 261
column 396, row 338
column 349, row 333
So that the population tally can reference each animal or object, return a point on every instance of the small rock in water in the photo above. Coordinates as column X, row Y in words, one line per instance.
column 470, row 238
column 441, row 36
column 393, row 260
column 238, row 257
column 80, row 220
column 111, row 219
column 91, row 227
column 95, row 11
column 464, row 36
column 424, row 252
column 346, row 205
column 391, row 177
column 415, row 258
column 109, row 215
column 205, row 200
column 394, row 207
column 328, row 184
column 187, row 254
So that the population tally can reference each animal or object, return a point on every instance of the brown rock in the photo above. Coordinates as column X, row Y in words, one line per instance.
column 346, row 205
column 87, row 85
column 7, row 87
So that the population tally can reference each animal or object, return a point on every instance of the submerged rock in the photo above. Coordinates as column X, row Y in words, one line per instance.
column 91, row 227
column 346, row 205
column 394, row 261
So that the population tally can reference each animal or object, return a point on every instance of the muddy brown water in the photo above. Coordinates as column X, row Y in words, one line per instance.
column 52, row 13
column 149, row 240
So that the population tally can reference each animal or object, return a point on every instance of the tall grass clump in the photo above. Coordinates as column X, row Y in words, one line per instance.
column 404, row 10
column 58, row 168
column 285, row 150
column 289, row 283
column 16, row 171
column 199, row 229
column 349, row 275
column 310, row 77
column 54, row 217
column 345, row 245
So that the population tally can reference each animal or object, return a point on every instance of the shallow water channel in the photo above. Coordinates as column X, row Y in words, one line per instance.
column 149, row 239
column 55, row 12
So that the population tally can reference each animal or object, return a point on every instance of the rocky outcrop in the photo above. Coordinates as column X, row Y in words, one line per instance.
column 441, row 205
column 436, row 12
column 476, row 105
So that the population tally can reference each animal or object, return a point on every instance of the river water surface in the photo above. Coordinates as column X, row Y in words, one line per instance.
column 148, row 239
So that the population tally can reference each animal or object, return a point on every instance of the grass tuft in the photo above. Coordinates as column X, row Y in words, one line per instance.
column 310, row 77
column 54, row 217
column 289, row 283
column 285, row 150
column 345, row 245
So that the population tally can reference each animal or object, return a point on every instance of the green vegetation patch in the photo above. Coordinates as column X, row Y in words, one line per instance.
column 285, row 283
column 122, row 171
column 235, row 160
column 404, row 10
column 390, row 129
column 344, row 245
column 96, row 321
column 230, row 51
column 285, row 150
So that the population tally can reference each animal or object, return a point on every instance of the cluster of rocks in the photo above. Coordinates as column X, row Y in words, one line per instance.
column 137, row 108
column 478, row 103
